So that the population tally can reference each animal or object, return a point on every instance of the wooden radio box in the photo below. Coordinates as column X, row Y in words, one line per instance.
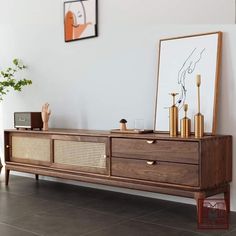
column 28, row 120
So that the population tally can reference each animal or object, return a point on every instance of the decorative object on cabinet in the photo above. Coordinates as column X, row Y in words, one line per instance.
column 132, row 131
column 46, row 112
column 185, row 124
column 173, row 117
column 80, row 19
column 148, row 162
column 123, row 125
column 8, row 78
column 180, row 59
column 28, row 120
column 139, row 124
column 198, row 118
column 123, row 129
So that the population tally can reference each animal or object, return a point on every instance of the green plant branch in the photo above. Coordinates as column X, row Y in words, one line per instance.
column 8, row 78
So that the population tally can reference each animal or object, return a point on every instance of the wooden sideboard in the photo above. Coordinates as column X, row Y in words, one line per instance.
column 188, row 167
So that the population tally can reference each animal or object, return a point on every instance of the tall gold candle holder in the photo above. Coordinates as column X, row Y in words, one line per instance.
column 185, row 124
column 173, row 116
column 198, row 118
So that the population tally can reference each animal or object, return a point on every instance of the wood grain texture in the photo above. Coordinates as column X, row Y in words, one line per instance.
column 173, row 151
column 98, row 176
column 164, row 172
column 104, row 133
column 7, row 146
column 105, row 180
column 216, row 162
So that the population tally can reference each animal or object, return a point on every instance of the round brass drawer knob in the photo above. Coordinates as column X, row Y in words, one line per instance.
column 7, row 146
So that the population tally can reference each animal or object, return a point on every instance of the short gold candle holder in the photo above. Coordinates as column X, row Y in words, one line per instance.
column 198, row 118
column 173, row 116
column 185, row 124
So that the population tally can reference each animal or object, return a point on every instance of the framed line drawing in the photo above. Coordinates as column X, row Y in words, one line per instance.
column 180, row 60
column 80, row 19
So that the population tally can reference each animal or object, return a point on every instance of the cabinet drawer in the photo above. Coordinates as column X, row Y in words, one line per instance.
column 165, row 172
column 174, row 151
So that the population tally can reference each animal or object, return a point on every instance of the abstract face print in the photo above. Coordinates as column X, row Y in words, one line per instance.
column 80, row 19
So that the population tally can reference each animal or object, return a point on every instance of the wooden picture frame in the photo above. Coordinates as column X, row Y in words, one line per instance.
column 80, row 19
column 180, row 59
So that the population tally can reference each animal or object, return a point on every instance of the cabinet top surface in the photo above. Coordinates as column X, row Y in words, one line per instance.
column 103, row 133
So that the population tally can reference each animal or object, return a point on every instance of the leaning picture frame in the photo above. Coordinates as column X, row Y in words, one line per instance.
column 180, row 60
column 80, row 19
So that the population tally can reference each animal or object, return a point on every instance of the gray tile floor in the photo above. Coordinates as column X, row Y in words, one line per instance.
column 28, row 208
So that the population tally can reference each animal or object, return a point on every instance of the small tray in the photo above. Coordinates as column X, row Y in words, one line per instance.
column 132, row 131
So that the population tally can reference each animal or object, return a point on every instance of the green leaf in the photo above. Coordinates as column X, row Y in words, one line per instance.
column 10, row 81
column 16, row 61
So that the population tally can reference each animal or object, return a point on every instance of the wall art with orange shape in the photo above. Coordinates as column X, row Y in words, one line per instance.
column 80, row 19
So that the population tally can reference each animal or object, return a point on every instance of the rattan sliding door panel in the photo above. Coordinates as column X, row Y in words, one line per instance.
column 80, row 154
column 32, row 149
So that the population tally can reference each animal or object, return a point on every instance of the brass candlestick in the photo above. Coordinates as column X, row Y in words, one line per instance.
column 173, row 122
column 198, row 118
column 185, row 124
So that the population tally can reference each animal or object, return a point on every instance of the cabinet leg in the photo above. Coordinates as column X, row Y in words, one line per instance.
column 199, row 197
column 37, row 177
column 7, row 174
column 227, row 199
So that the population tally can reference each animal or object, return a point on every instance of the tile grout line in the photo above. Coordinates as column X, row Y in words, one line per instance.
column 172, row 227
column 122, row 222
column 21, row 229
column 134, row 219
column 105, row 227
column 153, row 222
column 118, row 223
column 84, row 208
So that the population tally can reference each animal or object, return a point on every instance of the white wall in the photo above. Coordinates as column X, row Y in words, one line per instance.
column 160, row 11
column 93, row 83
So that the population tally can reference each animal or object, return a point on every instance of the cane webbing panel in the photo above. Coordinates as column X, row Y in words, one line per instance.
column 80, row 153
column 31, row 148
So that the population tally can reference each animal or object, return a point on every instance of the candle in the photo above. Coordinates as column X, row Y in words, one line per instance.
column 198, row 80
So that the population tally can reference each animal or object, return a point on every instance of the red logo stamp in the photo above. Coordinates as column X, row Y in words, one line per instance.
column 213, row 214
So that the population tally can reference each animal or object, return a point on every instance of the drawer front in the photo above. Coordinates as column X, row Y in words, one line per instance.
column 174, row 151
column 87, row 156
column 165, row 172
column 23, row 120
column 30, row 150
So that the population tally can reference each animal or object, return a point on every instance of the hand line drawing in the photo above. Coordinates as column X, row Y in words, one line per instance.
column 186, row 69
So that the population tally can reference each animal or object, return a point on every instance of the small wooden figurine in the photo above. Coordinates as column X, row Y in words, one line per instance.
column 46, row 112
column 123, row 124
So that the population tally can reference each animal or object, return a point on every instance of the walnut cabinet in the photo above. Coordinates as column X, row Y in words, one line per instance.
column 189, row 167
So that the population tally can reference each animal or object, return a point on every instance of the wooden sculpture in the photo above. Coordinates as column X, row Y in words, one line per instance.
column 46, row 112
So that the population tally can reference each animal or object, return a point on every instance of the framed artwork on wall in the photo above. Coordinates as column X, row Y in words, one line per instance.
column 80, row 19
column 181, row 59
